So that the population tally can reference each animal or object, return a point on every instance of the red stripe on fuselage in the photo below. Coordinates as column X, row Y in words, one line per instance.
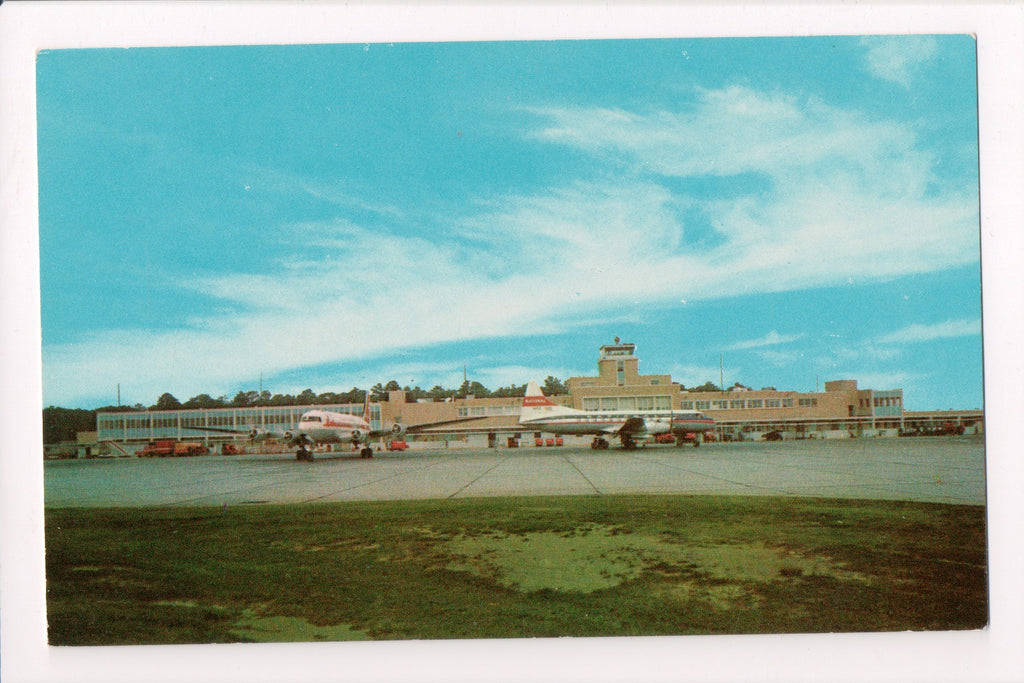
column 347, row 425
column 611, row 422
column 576, row 421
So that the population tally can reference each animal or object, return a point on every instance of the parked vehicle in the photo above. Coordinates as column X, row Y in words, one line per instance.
column 157, row 448
column 944, row 429
column 165, row 448
column 190, row 448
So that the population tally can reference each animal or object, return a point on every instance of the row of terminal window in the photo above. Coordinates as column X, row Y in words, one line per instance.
column 627, row 403
column 166, row 421
column 483, row 411
column 746, row 404
column 883, row 402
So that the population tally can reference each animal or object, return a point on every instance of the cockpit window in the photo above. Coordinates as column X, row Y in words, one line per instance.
column 310, row 418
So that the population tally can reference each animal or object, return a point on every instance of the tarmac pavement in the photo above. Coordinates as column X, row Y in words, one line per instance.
column 939, row 470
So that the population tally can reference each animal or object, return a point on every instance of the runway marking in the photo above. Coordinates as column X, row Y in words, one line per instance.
column 888, row 472
column 489, row 470
column 441, row 461
column 885, row 470
column 649, row 461
column 585, row 477
column 292, row 467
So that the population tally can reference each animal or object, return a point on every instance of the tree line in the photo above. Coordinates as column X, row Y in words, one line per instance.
column 63, row 424
column 378, row 392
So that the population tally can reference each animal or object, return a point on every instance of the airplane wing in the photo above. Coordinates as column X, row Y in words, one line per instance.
column 218, row 429
column 429, row 425
column 398, row 430
column 632, row 425
column 252, row 432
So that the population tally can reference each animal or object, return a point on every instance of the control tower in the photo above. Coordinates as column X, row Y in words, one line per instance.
column 618, row 364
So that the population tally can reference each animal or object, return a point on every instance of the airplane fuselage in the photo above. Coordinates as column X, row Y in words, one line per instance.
column 610, row 421
column 324, row 426
column 541, row 414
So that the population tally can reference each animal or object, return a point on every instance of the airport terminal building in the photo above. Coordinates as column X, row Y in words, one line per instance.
column 842, row 410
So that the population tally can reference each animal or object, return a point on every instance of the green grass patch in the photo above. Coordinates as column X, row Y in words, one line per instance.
column 512, row 567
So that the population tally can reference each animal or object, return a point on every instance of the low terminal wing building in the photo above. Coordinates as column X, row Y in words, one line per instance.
column 842, row 410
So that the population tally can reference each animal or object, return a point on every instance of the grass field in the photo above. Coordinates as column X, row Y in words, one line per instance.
column 512, row 567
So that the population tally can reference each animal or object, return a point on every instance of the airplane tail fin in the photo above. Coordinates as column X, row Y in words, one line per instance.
column 534, row 403
column 366, row 407
column 535, row 396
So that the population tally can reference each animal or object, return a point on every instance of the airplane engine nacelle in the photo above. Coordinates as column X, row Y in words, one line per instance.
column 658, row 427
column 257, row 434
column 397, row 430
column 289, row 437
column 356, row 435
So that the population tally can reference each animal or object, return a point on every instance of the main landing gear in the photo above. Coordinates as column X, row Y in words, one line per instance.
column 304, row 454
column 696, row 441
column 365, row 452
column 599, row 443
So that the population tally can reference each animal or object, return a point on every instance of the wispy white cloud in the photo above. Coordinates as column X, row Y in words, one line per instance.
column 896, row 58
column 773, row 338
column 881, row 380
column 779, row 358
column 948, row 329
column 695, row 375
column 866, row 351
column 737, row 130
column 849, row 197
column 847, row 192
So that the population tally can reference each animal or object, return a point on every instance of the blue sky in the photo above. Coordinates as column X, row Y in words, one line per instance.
column 330, row 216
